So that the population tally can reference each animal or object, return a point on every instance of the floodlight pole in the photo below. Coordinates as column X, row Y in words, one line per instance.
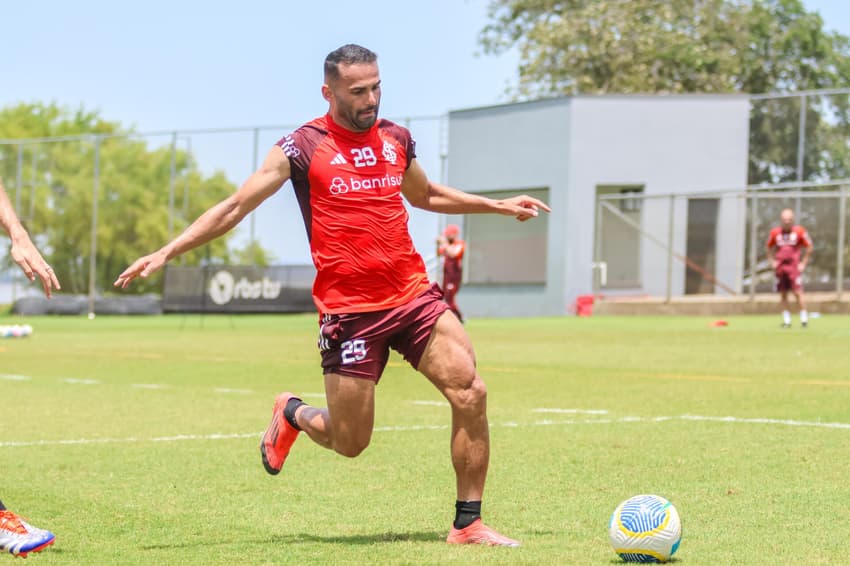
column 753, row 251
column 186, row 191
column 842, row 221
column 93, row 252
column 670, row 221
column 171, row 185
column 253, row 221
column 31, row 214
column 597, row 246
column 801, row 151
column 443, row 142
column 19, row 180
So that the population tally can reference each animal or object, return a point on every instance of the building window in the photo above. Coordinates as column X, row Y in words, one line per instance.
column 501, row 250
column 631, row 201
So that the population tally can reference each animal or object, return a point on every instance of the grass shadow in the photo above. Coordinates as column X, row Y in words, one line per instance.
column 309, row 538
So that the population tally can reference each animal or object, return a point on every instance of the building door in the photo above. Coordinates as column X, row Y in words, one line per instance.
column 618, row 235
column 701, row 245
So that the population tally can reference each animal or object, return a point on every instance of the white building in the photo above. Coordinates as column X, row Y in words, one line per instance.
column 567, row 151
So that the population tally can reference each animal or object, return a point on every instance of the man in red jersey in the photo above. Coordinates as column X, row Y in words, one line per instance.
column 451, row 248
column 783, row 251
column 17, row 537
column 349, row 170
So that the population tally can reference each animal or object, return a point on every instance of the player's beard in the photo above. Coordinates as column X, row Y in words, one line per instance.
column 363, row 121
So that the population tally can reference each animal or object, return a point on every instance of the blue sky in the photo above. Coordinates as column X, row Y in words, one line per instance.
column 164, row 65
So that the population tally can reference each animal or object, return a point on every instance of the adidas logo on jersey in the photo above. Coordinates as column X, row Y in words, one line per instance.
column 338, row 160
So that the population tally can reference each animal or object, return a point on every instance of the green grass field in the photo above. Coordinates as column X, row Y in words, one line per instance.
column 136, row 441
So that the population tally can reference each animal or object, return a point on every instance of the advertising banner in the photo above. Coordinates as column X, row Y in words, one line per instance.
column 238, row 289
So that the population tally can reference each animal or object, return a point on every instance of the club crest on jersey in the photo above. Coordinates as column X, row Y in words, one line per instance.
column 787, row 239
column 389, row 152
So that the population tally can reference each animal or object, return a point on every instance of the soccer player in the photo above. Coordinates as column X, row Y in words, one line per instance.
column 349, row 170
column 783, row 251
column 18, row 537
column 451, row 248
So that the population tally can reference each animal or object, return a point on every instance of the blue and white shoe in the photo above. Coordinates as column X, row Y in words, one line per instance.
column 19, row 538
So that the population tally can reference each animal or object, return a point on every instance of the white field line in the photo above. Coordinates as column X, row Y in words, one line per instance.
column 572, row 411
column 151, row 386
column 77, row 381
column 130, row 440
column 431, row 403
column 415, row 428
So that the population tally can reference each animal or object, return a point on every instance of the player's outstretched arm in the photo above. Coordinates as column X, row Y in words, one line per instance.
column 424, row 194
column 23, row 251
column 217, row 220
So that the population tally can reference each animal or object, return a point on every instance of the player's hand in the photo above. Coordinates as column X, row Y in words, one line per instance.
column 524, row 207
column 802, row 266
column 142, row 267
column 25, row 254
column 774, row 263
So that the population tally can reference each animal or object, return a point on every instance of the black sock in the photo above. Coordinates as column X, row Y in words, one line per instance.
column 289, row 411
column 2, row 507
column 466, row 512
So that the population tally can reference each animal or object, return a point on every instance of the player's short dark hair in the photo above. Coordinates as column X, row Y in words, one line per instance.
column 347, row 55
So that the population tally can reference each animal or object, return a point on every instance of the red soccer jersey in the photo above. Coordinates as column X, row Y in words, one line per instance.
column 348, row 186
column 788, row 244
column 452, row 265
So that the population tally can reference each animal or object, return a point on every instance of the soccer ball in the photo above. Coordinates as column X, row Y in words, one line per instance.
column 645, row 528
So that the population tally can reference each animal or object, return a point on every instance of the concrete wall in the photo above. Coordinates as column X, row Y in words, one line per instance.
column 667, row 144
column 515, row 147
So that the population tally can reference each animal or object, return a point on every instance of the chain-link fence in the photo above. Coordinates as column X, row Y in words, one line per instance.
column 715, row 242
column 799, row 137
column 95, row 202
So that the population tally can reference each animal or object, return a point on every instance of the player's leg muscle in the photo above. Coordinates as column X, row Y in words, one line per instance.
column 449, row 363
column 351, row 413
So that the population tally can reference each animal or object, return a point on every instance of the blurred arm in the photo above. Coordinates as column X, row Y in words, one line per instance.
column 23, row 251
column 806, row 255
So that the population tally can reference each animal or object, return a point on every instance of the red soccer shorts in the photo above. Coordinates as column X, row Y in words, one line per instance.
column 358, row 344
column 788, row 278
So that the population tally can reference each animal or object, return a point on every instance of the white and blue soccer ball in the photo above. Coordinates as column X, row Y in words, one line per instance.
column 645, row 528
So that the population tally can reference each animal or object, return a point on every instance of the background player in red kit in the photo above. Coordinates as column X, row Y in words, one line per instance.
column 451, row 248
column 349, row 171
column 783, row 251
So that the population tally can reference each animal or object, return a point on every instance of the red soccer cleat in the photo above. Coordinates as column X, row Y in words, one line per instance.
column 278, row 438
column 19, row 538
column 479, row 533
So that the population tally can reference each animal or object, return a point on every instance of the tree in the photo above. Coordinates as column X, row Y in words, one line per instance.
column 252, row 253
column 57, row 191
column 677, row 46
